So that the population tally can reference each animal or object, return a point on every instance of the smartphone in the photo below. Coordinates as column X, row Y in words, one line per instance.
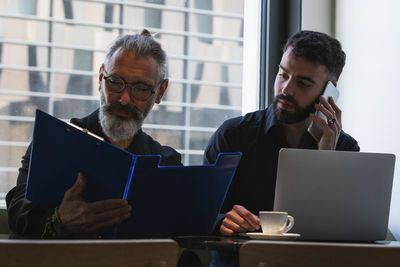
column 314, row 129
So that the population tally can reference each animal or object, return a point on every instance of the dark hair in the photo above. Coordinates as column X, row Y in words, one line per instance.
column 320, row 48
column 141, row 45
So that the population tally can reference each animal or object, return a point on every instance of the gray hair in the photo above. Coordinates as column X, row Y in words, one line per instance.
column 142, row 45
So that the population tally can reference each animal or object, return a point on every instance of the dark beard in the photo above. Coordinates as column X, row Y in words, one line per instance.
column 299, row 114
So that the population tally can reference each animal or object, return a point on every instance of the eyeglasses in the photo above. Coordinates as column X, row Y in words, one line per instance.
column 138, row 90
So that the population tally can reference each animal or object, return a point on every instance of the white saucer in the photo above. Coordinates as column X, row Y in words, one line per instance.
column 284, row 236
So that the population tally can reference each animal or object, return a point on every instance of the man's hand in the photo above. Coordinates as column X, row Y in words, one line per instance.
column 239, row 220
column 330, row 130
column 77, row 216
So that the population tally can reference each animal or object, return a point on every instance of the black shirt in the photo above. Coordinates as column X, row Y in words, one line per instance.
column 259, row 136
column 27, row 219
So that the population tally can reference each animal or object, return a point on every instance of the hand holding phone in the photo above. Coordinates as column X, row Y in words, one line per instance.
column 314, row 129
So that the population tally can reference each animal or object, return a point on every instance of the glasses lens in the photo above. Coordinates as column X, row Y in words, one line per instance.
column 141, row 92
column 114, row 84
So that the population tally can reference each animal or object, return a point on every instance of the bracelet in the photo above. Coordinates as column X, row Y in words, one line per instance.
column 54, row 228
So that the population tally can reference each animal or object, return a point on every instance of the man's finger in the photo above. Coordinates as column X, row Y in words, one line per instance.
column 106, row 205
column 252, row 219
column 237, row 228
column 317, row 119
column 235, row 218
column 106, row 215
column 225, row 231
column 77, row 188
column 337, row 110
column 107, row 222
column 326, row 110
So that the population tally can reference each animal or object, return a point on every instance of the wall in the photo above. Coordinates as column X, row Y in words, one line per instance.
column 370, row 90
column 369, row 86
column 317, row 15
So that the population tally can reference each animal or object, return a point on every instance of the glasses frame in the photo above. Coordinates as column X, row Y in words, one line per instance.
column 131, row 85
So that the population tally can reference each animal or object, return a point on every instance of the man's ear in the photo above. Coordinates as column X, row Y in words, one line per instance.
column 161, row 91
column 100, row 74
column 334, row 83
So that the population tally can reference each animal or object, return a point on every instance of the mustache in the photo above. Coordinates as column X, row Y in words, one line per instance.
column 134, row 112
column 287, row 98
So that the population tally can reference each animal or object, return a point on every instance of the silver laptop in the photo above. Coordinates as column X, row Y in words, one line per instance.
column 335, row 195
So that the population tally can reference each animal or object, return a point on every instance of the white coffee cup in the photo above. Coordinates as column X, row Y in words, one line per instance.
column 275, row 222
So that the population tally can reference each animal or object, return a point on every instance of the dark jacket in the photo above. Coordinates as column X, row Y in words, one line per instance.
column 27, row 219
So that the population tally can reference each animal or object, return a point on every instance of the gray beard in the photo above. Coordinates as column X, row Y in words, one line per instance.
column 117, row 128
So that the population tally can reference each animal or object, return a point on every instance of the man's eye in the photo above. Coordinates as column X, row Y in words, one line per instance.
column 114, row 82
column 142, row 88
column 283, row 75
column 302, row 84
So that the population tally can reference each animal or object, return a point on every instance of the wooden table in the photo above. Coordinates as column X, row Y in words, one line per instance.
column 60, row 253
column 165, row 252
column 238, row 251
column 301, row 253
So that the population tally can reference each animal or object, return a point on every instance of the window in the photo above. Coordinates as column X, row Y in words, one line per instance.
column 51, row 50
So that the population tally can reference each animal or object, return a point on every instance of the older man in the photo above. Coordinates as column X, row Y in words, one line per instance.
column 131, row 79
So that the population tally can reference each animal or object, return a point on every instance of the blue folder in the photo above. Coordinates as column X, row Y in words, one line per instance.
column 166, row 200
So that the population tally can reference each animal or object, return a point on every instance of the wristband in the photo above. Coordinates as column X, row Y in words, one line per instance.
column 54, row 228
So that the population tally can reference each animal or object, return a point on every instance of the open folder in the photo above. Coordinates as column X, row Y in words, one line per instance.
column 166, row 200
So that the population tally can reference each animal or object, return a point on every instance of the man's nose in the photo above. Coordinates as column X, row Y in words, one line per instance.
column 125, row 98
column 288, row 88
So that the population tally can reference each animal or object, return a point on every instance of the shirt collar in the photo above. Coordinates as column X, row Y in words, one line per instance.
column 270, row 120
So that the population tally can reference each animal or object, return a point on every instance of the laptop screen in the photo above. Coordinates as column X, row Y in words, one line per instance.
column 335, row 195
